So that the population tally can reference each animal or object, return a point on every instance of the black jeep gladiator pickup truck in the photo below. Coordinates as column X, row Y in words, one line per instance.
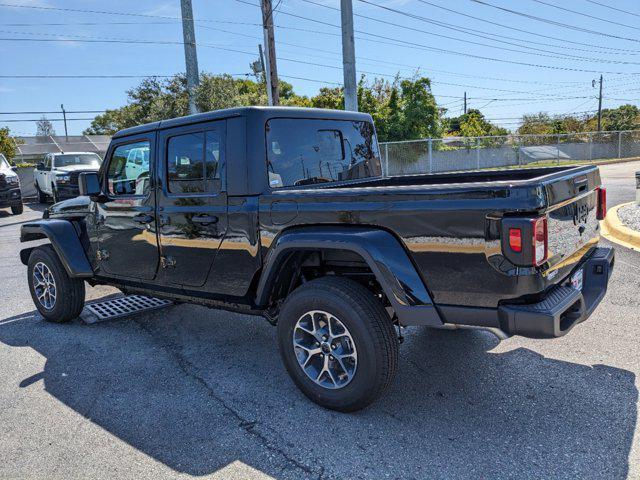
column 284, row 213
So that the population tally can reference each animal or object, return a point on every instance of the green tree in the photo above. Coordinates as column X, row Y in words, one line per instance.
column 8, row 143
column 472, row 121
column 625, row 117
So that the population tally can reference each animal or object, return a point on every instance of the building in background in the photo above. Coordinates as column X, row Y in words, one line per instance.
column 33, row 149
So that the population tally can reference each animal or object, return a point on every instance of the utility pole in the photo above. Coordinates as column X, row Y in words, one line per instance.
column 64, row 117
column 348, row 56
column 600, row 106
column 465, row 103
column 190, row 55
column 273, row 90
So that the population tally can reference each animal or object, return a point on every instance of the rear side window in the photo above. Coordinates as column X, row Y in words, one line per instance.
column 193, row 163
column 305, row 152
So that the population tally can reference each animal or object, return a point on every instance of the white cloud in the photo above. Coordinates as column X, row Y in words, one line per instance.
column 168, row 9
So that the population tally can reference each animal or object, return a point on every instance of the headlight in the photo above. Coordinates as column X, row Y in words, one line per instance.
column 63, row 178
column 13, row 181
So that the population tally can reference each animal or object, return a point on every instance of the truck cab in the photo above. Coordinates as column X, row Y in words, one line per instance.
column 57, row 175
column 284, row 213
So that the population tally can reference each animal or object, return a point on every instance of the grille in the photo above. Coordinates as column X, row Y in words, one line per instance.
column 73, row 177
column 122, row 307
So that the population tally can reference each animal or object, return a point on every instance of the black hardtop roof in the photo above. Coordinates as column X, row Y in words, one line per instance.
column 264, row 112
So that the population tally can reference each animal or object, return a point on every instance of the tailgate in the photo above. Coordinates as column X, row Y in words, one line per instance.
column 573, row 226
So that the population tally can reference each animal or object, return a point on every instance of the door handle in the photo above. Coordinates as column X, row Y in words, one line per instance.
column 205, row 219
column 143, row 218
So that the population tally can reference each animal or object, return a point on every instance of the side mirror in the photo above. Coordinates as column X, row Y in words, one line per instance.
column 40, row 166
column 89, row 184
column 14, row 168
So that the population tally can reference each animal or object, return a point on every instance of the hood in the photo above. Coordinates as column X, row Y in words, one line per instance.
column 78, row 206
column 75, row 168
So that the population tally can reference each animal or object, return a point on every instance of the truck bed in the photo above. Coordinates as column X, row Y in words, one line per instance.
column 450, row 224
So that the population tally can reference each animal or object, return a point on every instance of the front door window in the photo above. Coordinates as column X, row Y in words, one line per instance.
column 129, row 169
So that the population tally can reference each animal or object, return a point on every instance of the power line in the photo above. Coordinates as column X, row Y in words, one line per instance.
column 553, row 22
column 230, row 22
column 614, row 8
column 12, row 120
column 544, row 53
column 99, row 76
column 54, row 111
column 584, row 14
column 618, row 51
column 419, row 46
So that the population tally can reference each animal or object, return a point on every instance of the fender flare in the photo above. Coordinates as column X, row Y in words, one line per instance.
column 65, row 241
column 383, row 253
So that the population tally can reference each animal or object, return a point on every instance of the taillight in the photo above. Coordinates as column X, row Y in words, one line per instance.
column 601, row 210
column 540, row 240
column 515, row 239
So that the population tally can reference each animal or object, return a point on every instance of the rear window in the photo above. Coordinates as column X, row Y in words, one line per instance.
column 305, row 152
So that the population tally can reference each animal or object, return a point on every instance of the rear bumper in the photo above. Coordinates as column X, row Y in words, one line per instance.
column 561, row 309
column 10, row 197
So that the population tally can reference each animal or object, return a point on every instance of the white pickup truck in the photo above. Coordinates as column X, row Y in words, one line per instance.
column 57, row 175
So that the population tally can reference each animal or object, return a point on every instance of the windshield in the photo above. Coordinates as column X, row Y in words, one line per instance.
column 88, row 159
column 3, row 162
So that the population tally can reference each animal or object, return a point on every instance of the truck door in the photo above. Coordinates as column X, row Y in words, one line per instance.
column 192, row 201
column 127, row 241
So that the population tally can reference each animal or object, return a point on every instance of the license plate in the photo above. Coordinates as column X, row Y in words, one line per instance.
column 576, row 280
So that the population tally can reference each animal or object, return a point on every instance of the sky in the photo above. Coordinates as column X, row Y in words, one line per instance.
column 543, row 57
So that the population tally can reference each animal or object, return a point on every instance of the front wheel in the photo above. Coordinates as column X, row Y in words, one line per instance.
column 58, row 297
column 42, row 197
column 337, row 343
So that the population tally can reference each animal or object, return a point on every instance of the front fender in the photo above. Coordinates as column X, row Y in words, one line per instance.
column 380, row 250
column 65, row 241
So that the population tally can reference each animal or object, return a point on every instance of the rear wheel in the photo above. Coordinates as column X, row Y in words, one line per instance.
column 57, row 296
column 337, row 343
column 17, row 209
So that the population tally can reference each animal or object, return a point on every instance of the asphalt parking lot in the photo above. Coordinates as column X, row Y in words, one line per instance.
column 187, row 391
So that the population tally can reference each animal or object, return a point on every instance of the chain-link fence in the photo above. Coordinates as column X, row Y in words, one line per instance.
column 433, row 155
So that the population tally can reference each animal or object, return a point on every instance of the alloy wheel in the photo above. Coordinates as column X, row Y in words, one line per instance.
column 325, row 349
column 44, row 285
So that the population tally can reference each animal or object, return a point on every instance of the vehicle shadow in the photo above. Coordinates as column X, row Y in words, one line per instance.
column 198, row 390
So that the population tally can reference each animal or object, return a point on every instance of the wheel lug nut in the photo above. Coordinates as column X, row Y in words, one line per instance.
column 317, row 344
column 324, row 337
column 330, row 357
column 334, row 346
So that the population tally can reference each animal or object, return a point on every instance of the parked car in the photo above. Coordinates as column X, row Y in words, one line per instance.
column 283, row 212
column 57, row 175
column 10, row 193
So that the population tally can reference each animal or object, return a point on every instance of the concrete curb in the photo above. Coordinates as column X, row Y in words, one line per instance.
column 615, row 231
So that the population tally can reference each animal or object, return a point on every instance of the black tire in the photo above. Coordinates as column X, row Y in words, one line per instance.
column 42, row 197
column 363, row 314
column 17, row 209
column 69, row 292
